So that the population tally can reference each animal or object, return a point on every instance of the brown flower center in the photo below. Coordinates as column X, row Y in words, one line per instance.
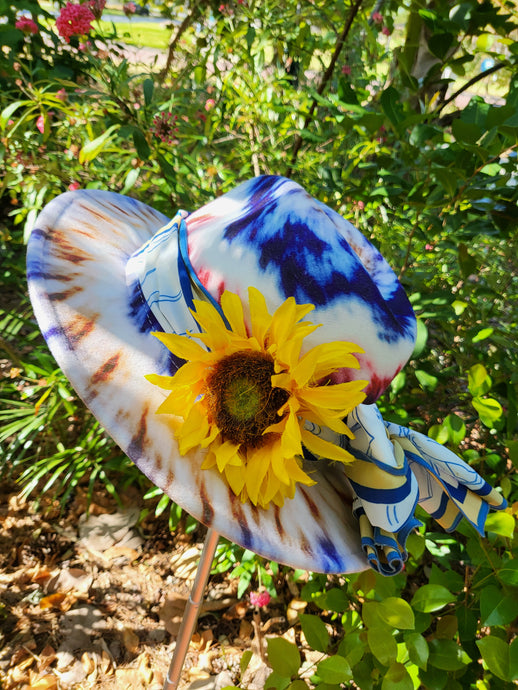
column 241, row 399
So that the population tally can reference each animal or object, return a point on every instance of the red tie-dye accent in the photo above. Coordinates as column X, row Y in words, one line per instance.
column 203, row 277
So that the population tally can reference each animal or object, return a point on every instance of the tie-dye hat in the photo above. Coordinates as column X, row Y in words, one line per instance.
column 235, row 354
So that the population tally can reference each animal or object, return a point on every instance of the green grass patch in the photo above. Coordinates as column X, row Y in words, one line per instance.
column 140, row 34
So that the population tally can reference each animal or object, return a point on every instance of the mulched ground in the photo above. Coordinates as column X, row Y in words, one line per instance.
column 93, row 599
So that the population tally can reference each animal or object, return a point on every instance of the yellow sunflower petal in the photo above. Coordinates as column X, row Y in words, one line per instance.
column 225, row 454
column 216, row 335
column 323, row 359
column 340, row 396
column 181, row 346
column 283, row 321
column 257, row 466
column 260, row 317
column 164, row 382
column 194, row 429
column 291, row 439
column 178, row 402
column 235, row 476
column 233, row 310
column 294, row 467
column 325, row 449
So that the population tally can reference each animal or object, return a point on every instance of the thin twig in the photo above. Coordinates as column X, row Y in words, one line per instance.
column 469, row 83
column 189, row 18
column 325, row 79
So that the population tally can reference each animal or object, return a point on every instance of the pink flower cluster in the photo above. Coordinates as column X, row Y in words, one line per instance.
column 377, row 18
column 74, row 20
column 97, row 7
column 163, row 127
column 27, row 25
column 259, row 598
column 129, row 8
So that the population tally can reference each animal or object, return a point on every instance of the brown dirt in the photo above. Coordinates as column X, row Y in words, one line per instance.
column 94, row 600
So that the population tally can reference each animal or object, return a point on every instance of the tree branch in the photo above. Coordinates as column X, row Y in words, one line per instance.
column 189, row 18
column 469, row 83
column 325, row 79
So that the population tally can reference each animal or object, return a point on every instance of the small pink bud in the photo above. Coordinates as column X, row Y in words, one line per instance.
column 73, row 186
column 209, row 104
column 377, row 18
column 40, row 124
column 346, row 69
column 259, row 598
column 386, row 31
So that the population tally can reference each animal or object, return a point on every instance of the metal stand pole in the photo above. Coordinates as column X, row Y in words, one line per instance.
column 192, row 610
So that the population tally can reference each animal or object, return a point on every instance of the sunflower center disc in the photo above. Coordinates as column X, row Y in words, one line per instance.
column 241, row 398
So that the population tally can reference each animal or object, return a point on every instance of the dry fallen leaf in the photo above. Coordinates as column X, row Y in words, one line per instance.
column 130, row 640
column 295, row 607
column 46, row 682
column 171, row 612
column 88, row 663
column 53, row 601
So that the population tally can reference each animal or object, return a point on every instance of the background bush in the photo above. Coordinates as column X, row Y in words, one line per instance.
column 401, row 116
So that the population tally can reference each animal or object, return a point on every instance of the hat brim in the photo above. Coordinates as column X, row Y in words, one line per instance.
column 76, row 267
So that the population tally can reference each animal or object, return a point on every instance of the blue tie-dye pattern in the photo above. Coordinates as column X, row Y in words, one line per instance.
column 313, row 268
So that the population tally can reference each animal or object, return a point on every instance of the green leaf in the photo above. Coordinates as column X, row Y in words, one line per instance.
column 456, row 428
column 466, row 132
column 276, row 681
column 352, row 647
column 479, row 381
column 508, row 573
column 334, row 669
column 482, row 335
column 489, row 410
column 148, row 88
column 447, row 655
column 245, row 660
column 430, row 598
column 397, row 678
column 500, row 657
column 315, row 632
column 439, row 44
column 427, row 381
column 283, row 656
column 421, row 339
column 130, row 180
column 7, row 112
column 390, row 101
column 336, row 600
column 397, row 613
column 141, row 145
column 501, row 523
column 467, row 263
column 382, row 645
column 495, row 608
column 418, row 651
column 93, row 148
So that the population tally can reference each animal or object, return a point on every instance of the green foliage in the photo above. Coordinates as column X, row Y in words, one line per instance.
column 395, row 129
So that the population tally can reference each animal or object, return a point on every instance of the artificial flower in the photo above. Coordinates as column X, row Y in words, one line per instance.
column 248, row 396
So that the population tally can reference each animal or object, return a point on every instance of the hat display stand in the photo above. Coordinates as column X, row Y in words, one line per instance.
column 192, row 610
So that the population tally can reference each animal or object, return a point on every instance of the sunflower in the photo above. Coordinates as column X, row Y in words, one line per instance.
column 248, row 396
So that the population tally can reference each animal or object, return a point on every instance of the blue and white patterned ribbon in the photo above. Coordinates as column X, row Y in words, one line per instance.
column 397, row 468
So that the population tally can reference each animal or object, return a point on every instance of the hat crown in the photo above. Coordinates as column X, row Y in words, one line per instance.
column 269, row 233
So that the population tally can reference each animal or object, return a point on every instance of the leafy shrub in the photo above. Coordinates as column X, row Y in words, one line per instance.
column 384, row 113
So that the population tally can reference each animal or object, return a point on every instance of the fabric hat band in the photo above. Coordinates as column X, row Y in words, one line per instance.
column 167, row 293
